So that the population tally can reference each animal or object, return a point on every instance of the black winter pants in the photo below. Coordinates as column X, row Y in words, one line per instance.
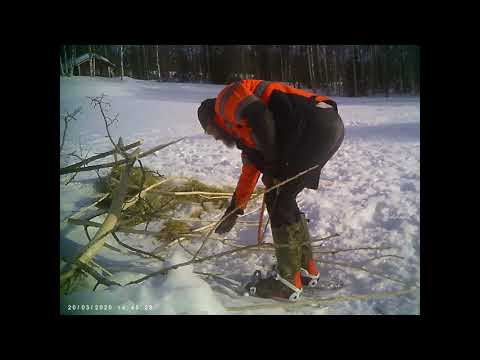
column 324, row 135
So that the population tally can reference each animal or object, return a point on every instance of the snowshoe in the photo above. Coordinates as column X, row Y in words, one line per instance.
column 274, row 286
column 310, row 275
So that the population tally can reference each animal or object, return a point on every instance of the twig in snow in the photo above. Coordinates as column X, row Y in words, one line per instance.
column 323, row 301
column 351, row 249
column 361, row 268
column 84, row 267
column 383, row 256
column 136, row 250
column 193, row 261
column 314, row 241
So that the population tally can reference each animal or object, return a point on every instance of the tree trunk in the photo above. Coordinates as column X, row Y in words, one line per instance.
column 401, row 69
column 94, row 70
column 72, row 60
column 326, row 68
column 314, row 72
column 281, row 65
column 371, row 75
column 242, row 56
column 158, row 68
column 90, row 59
column 209, row 74
column 355, row 89
column 145, row 66
column 121, row 62
column 62, row 72
column 309, row 66
column 108, row 225
column 319, row 67
column 412, row 71
column 386, row 77
column 65, row 60
column 335, row 77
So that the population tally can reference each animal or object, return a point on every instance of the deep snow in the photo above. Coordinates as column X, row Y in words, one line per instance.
column 369, row 193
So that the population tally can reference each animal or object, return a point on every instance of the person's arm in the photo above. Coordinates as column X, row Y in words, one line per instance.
column 245, row 187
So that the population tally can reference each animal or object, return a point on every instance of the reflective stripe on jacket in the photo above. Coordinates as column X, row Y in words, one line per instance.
column 229, row 106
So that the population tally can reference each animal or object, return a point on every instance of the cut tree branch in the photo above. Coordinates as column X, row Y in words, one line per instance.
column 74, row 167
column 108, row 225
column 121, row 162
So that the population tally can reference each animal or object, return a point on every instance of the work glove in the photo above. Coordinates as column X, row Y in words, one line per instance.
column 228, row 221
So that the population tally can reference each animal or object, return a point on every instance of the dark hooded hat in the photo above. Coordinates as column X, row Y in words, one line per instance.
column 206, row 112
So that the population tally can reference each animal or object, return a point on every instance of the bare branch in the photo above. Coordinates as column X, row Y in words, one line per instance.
column 136, row 250
column 352, row 249
column 108, row 246
column 314, row 241
column 195, row 261
column 100, row 237
column 66, row 119
column 121, row 162
column 382, row 256
column 66, row 169
column 92, row 272
column 323, row 301
column 81, row 211
column 361, row 268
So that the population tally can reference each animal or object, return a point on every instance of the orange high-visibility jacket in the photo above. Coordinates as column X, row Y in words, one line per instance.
column 230, row 107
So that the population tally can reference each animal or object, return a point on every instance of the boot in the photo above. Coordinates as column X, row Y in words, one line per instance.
column 308, row 269
column 285, row 283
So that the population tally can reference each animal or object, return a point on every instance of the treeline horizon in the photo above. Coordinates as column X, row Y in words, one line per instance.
column 341, row 70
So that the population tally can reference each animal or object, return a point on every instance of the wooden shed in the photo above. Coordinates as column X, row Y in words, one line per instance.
column 103, row 66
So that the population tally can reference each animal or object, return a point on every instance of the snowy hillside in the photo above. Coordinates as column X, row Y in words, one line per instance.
column 369, row 194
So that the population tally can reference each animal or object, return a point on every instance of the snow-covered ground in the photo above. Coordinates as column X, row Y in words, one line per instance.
column 369, row 193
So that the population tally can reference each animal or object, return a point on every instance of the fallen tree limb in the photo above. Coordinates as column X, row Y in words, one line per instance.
column 101, row 279
column 361, row 268
column 108, row 225
column 118, row 228
column 188, row 193
column 136, row 250
column 195, row 261
column 67, row 169
column 351, row 249
column 135, row 198
column 108, row 246
column 100, row 267
column 81, row 211
column 314, row 241
column 127, row 204
column 121, row 162
column 383, row 256
column 323, row 301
